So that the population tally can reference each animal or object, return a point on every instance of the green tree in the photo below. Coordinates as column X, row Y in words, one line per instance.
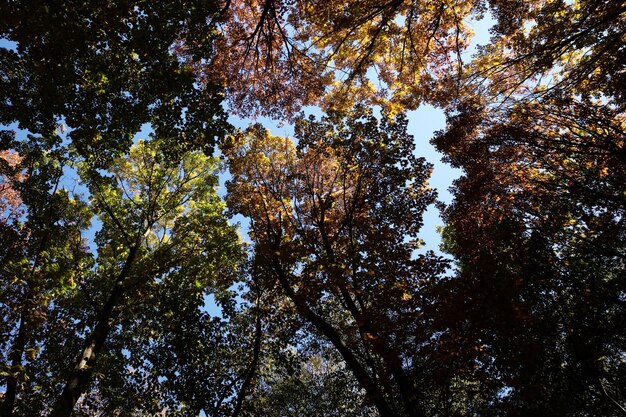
column 307, row 378
column 79, row 327
column 163, row 230
column 105, row 69
column 42, row 255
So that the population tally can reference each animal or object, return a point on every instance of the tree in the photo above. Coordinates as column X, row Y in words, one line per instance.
column 105, row 69
column 544, row 198
column 162, row 227
column 164, row 245
column 335, row 224
column 544, row 47
column 282, row 55
column 542, row 191
column 307, row 379
column 42, row 254
column 539, row 135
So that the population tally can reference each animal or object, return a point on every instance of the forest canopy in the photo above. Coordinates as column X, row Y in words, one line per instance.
column 126, row 288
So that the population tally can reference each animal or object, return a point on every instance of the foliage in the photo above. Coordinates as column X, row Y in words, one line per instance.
column 283, row 55
column 105, row 69
column 335, row 311
column 541, row 145
column 308, row 380
column 163, row 246
column 335, row 223
column 42, row 254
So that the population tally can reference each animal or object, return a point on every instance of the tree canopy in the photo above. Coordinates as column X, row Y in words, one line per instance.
column 127, row 289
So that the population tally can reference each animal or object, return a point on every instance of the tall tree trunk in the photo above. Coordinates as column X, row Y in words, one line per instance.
column 17, row 352
column 381, row 346
column 372, row 390
column 251, row 371
column 82, row 373
column 19, row 344
column 389, row 356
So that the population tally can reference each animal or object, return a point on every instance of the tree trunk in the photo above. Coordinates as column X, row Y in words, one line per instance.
column 360, row 373
column 251, row 371
column 381, row 346
column 17, row 352
column 388, row 354
column 80, row 376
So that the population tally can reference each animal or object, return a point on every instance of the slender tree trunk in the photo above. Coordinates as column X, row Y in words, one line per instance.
column 251, row 371
column 17, row 352
column 360, row 373
column 82, row 373
column 382, row 347
column 19, row 344
column 388, row 354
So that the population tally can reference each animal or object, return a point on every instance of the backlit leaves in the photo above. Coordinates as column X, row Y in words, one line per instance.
column 332, row 220
column 282, row 55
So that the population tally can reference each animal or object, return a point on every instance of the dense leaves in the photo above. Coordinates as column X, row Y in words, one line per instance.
column 124, row 290
column 335, row 223
column 286, row 54
column 163, row 246
column 543, row 193
column 42, row 255
column 105, row 69
column 548, row 212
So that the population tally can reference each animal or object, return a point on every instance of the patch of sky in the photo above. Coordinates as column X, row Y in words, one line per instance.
column 482, row 35
column 211, row 306
column 8, row 44
column 215, row 309
column 504, row 392
column 144, row 132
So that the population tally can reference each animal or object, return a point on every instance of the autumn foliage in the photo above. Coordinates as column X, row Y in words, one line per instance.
column 125, row 288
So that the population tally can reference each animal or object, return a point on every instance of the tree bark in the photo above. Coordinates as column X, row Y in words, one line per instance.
column 360, row 373
column 388, row 354
column 17, row 352
column 381, row 346
column 251, row 371
column 82, row 373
